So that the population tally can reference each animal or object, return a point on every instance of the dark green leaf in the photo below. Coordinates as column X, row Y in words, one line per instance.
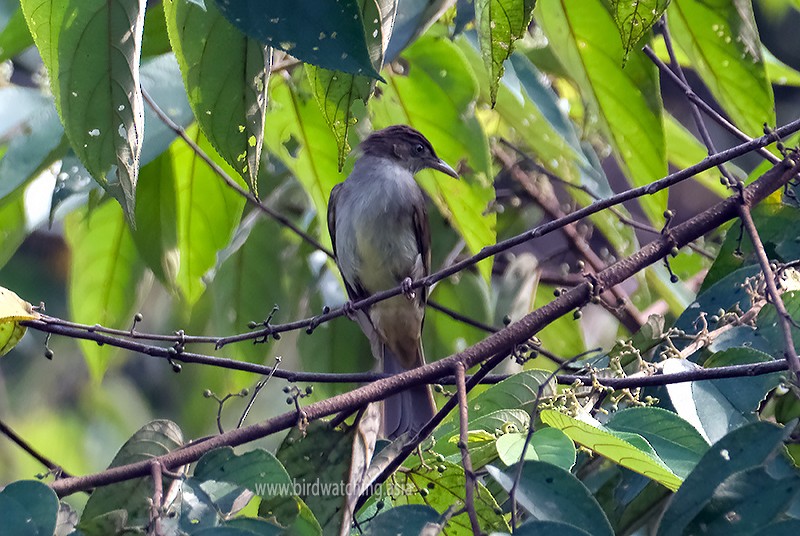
column 406, row 520
column 331, row 35
column 318, row 459
column 744, row 448
column 753, row 497
column 256, row 470
column 549, row 528
column 29, row 508
column 549, row 493
column 134, row 496
column 675, row 441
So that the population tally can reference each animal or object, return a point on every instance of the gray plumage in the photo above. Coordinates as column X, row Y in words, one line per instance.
column 380, row 234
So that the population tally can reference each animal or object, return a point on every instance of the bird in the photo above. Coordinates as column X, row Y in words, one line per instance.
column 379, row 229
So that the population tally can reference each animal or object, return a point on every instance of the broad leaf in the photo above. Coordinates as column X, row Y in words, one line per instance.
column 28, row 507
column 134, row 496
column 500, row 23
column 187, row 215
column 107, row 276
column 332, row 35
column 626, row 101
column 635, row 18
column 629, row 450
column 226, row 76
column 721, row 40
column 99, row 101
column 549, row 493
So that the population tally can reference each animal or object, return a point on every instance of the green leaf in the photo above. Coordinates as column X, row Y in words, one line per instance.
column 318, row 459
column 721, row 40
column 517, row 392
column 256, row 470
column 407, row 520
column 436, row 96
column 300, row 138
column 742, row 449
column 684, row 150
column 156, row 438
column 500, row 24
column 15, row 36
column 12, row 225
column 445, row 489
column 549, row 528
column 332, row 35
column 226, row 76
column 628, row 450
column 187, row 214
column 336, row 91
column 549, row 493
column 547, row 445
column 29, row 508
column 675, row 441
column 626, row 101
column 635, row 18
column 754, row 495
column 99, row 100
column 107, row 276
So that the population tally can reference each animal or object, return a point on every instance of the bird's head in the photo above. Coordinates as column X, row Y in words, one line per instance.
column 407, row 147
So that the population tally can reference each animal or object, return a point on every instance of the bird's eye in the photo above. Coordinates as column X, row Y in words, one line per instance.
column 419, row 149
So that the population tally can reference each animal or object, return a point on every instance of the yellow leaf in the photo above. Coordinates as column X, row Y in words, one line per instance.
column 608, row 444
column 12, row 310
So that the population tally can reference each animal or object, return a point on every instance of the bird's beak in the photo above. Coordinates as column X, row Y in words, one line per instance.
column 444, row 167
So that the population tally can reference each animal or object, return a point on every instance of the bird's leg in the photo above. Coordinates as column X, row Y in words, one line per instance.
column 409, row 292
column 422, row 459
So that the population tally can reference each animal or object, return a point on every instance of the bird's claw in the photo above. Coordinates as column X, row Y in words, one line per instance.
column 348, row 310
column 409, row 292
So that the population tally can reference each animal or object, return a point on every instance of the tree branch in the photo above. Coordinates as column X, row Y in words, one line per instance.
column 495, row 345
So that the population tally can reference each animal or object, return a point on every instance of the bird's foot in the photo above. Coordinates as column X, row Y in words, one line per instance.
column 409, row 292
column 348, row 310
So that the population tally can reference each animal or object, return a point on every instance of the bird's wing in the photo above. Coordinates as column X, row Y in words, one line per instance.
column 332, row 215
column 422, row 231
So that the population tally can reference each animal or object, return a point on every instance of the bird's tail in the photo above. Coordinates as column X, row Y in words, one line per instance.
column 407, row 411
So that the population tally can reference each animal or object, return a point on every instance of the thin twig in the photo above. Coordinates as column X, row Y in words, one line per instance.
column 627, row 314
column 257, row 389
column 280, row 218
column 463, row 444
column 158, row 494
column 784, row 319
column 15, row 438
